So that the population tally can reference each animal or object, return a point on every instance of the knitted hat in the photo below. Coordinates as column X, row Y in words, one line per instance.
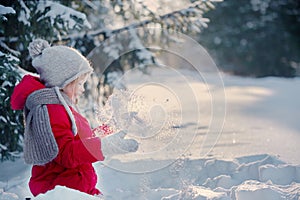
column 57, row 65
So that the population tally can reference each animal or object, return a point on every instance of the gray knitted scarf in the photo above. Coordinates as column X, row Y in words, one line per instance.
column 40, row 146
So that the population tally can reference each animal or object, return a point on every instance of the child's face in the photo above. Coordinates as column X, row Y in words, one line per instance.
column 75, row 88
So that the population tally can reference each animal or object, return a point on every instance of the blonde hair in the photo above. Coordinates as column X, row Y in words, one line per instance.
column 80, row 78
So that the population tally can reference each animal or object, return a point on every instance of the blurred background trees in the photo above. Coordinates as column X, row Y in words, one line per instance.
column 255, row 37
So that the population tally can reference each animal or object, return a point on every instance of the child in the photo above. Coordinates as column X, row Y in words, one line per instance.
column 58, row 141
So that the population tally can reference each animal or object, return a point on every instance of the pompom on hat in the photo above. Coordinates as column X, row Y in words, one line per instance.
column 57, row 65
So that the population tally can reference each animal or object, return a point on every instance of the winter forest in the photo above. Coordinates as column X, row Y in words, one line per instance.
column 208, row 88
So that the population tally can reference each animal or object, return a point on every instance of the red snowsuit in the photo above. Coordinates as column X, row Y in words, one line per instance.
column 73, row 165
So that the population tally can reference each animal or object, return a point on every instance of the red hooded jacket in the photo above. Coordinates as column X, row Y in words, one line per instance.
column 73, row 165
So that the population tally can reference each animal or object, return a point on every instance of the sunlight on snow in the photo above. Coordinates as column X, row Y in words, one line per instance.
column 247, row 95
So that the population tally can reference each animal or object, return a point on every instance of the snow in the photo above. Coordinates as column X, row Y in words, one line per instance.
column 24, row 15
column 65, row 13
column 6, row 83
column 6, row 10
column 3, row 119
column 254, row 156
column 67, row 194
column 113, row 50
column 136, row 43
column 2, row 147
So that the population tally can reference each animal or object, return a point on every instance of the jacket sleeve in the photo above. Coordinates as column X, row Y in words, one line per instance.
column 73, row 151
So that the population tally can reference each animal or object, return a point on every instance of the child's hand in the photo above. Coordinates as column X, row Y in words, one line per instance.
column 116, row 144
column 102, row 131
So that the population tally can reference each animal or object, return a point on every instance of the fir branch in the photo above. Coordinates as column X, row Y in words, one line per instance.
column 200, row 6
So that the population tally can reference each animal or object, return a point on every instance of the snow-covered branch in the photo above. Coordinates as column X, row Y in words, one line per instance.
column 195, row 9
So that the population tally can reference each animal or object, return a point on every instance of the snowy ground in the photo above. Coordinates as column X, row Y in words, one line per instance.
column 254, row 154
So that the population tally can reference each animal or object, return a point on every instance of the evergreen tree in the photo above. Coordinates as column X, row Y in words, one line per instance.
column 10, row 121
column 255, row 37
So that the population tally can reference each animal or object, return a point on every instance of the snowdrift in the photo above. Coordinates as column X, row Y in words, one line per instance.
column 248, row 177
